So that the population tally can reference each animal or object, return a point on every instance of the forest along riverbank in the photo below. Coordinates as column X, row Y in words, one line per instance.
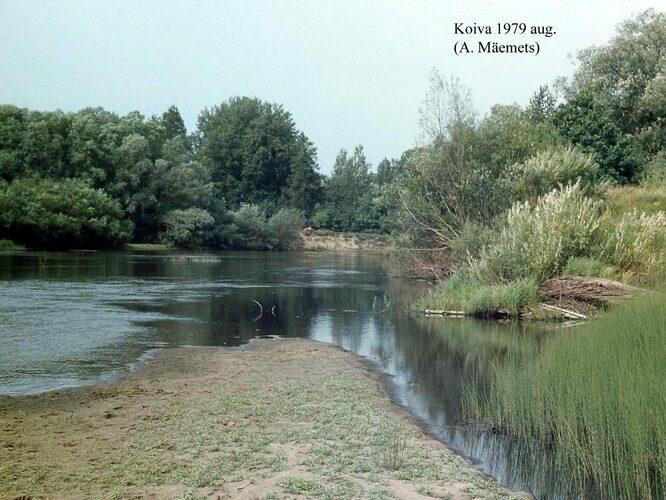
column 285, row 417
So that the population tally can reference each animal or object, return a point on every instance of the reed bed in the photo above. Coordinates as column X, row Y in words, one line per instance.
column 596, row 398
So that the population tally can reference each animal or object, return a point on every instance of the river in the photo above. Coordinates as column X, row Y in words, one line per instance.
column 79, row 318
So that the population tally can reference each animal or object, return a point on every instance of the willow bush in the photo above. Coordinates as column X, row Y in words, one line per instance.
column 536, row 241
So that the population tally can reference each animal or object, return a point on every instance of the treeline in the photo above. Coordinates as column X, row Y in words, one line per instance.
column 245, row 178
column 248, row 178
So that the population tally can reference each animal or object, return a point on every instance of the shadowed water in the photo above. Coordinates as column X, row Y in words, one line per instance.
column 72, row 319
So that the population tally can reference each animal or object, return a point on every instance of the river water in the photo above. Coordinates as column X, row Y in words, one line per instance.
column 73, row 319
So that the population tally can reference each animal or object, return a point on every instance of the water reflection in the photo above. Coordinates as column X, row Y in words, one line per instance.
column 69, row 319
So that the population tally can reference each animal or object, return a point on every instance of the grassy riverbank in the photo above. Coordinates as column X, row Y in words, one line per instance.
column 285, row 418
column 596, row 398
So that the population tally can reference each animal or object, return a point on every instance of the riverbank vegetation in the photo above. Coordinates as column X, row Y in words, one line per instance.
column 526, row 195
column 595, row 399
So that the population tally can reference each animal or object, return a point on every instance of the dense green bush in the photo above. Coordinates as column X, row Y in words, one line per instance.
column 284, row 229
column 551, row 168
column 589, row 266
column 637, row 242
column 537, row 241
column 187, row 228
column 44, row 213
column 251, row 229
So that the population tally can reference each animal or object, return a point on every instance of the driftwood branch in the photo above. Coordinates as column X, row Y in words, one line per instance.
column 567, row 313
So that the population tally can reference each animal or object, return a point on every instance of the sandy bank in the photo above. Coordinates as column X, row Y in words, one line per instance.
column 288, row 418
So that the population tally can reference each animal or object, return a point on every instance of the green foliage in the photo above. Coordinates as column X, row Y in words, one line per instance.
column 595, row 400
column 654, row 173
column 471, row 240
column 589, row 266
column 460, row 293
column 637, row 242
column 250, row 228
column 552, row 168
column 351, row 196
column 43, row 213
column 537, row 240
column 542, row 104
column 508, row 135
column 588, row 124
column 627, row 70
column 187, row 228
column 7, row 245
column 256, row 155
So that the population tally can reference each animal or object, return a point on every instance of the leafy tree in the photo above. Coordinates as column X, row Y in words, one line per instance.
column 173, row 123
column 542, row 104
column 619, row 73
column 348, row 195
column 587, row 123
column 508, row 135
column 45, row 213
column 256, row 155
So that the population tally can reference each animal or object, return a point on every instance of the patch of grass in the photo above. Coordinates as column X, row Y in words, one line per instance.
column 647, row 198
column 8, row 245
column 463, row 294
column 588, row 266
column 147, row 247
column 596, row 399
column 391, row 445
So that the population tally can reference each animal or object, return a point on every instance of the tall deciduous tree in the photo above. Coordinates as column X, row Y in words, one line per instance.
column 256, row 154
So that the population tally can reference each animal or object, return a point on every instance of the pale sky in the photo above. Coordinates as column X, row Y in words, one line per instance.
column 349, row 71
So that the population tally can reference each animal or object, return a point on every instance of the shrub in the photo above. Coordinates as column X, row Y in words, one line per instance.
column 470, row 241
column 45, row 213
column 186, row 228
column 551, row 168
column 249, row 228
column 654, row 173
column 6, row 245
column 537, row 241
column 284, row 228
column 637, row 241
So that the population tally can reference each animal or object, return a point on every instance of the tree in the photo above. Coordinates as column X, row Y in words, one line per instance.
column 447, row 107
column 348, row 195
column 256, row 155
column 618, row 73
column 508, row 136
column 587, row 123
column 45, row 213
column 12, row 129
column 173, row 123
column 542, row 104
column 627, row 76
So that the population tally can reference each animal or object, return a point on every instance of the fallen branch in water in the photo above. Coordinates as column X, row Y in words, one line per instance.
column 567, row 313
column 261, row 310
column 442, row 312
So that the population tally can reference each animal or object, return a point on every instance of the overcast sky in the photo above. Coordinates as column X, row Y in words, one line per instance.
column 349, row 71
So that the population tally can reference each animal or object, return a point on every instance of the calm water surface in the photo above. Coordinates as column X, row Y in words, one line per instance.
column 72, row 319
